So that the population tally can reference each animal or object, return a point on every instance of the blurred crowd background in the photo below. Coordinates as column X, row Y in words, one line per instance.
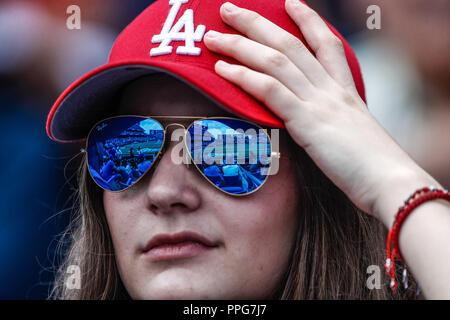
column 405, row 64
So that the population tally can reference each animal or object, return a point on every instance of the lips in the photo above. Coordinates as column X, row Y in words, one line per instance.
column 180, row 245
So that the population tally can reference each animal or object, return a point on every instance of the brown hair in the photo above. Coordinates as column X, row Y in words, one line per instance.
column 335, row 244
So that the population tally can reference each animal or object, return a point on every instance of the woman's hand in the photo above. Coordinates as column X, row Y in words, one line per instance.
column 317, row 99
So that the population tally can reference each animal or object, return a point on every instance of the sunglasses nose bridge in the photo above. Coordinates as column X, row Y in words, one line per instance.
column 168, row 132
column 172, row 137
column 176, row 125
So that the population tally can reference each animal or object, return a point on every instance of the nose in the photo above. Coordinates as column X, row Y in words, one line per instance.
column 173, row 186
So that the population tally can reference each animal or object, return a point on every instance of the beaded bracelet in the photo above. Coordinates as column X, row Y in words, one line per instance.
column 417, row 198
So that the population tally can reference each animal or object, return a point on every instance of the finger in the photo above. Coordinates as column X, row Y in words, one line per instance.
column 261, row 30
column 267, row 60
column 272, row 93
column 327, row 46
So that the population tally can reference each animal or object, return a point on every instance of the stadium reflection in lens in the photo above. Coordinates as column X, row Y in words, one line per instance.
column 122, row 149
column 234, row 155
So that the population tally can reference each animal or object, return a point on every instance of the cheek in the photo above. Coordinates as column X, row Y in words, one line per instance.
column 261, row 229
column 121, row 219
column 273, row 211
column 113, row 206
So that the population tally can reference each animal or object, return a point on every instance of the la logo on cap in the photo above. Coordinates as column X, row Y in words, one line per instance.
column 172, row 32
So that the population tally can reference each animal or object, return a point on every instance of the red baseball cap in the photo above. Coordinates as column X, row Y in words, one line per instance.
column 168, row 37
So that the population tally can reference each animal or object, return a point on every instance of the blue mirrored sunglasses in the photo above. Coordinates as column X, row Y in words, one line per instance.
column 234, row 155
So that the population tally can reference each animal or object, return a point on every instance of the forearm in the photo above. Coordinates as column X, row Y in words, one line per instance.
column 424, row 239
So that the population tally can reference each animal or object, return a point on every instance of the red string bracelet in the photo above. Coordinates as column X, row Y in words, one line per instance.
column 417, row 198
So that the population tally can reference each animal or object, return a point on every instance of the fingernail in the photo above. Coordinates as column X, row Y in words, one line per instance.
column 229, row 7
column 295, row 2
column 212, row 34
column 222, row 64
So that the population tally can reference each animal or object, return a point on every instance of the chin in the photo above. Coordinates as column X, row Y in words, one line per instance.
column 171, row 289
column 188, row 293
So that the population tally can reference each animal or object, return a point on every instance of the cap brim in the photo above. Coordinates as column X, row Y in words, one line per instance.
column 91, row 98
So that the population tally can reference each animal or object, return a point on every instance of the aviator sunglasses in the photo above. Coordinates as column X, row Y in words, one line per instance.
column 234, row 155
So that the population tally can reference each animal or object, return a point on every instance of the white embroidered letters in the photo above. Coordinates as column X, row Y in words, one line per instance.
column 169, row 33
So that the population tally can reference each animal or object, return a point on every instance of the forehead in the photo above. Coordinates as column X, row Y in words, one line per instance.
column 164, row 95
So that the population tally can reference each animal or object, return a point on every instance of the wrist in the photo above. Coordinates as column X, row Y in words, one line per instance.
column 396, row 188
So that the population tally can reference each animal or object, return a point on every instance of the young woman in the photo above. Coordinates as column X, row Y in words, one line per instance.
column 185, row 231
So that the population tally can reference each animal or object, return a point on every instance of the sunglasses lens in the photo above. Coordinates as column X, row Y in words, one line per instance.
column 234, row 155
column 122, row 149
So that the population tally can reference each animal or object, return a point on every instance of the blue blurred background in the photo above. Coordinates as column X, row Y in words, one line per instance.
column 405, row 65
